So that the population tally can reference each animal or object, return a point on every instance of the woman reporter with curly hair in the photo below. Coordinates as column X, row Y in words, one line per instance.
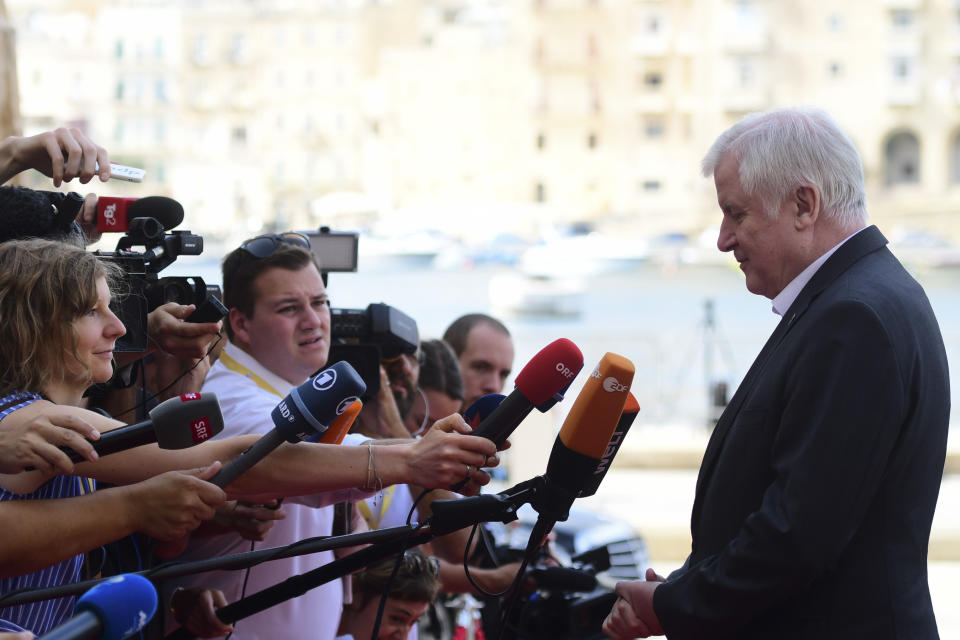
column 57, row 335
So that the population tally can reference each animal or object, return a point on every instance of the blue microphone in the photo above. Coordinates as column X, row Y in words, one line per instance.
column 112, row 610
column 306, row 412
column 481, row 408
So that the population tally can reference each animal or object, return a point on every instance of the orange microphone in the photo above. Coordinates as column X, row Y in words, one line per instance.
column 341, row 425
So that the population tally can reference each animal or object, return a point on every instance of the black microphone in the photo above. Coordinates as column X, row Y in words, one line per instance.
column 540, row 384
column 176, row 423
column 115, row 213
column 582, row 442
column 113, row 610
column 630, row 411
column 306, row 412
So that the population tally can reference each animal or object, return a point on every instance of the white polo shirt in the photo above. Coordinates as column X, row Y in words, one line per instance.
column 246, row 402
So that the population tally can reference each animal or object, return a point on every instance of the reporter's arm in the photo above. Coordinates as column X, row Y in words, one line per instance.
column 62, row 154
column 439, row 459
column 40, row 533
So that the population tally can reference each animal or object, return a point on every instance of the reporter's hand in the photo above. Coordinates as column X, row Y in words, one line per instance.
column 167, row 330
column 36, row 443
column 172, row 504
column 251, row 521
column 87, row 218
column 63, row 154
column 169, row 376
column 195, row 610
column 447, row 455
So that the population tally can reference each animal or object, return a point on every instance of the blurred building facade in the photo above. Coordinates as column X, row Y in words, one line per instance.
column 448, row 113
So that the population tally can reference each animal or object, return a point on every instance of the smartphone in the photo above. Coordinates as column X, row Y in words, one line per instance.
column 123, row 172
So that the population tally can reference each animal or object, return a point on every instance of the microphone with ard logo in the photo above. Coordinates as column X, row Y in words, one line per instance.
column 307, row 412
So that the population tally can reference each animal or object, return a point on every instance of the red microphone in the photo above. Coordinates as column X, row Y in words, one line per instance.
column 540, row 384
column 114, row 213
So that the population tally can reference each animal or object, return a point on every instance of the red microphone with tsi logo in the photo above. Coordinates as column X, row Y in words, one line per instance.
column 114, row 213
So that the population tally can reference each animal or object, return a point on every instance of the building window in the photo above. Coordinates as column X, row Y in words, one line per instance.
column 118, row 49
column 239, row 136
column 835, row 70
column 592, row 141
column 653, row 128
column 653, row 80
column 955, row 158
column 836, row 23
column 541, row 141
column 901, row 19
column 540, row 193
column 902, row 159
column 901, row 68
column 650, row 186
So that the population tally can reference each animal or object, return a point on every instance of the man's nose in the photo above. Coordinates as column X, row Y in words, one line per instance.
column 491, row 384
column 726, row 239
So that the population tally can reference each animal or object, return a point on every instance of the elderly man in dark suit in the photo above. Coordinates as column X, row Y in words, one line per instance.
column 817, row 490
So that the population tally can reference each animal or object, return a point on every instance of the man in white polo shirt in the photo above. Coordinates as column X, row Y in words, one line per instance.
column 279, row 330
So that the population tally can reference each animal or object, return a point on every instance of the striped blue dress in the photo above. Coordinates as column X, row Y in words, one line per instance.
column 39, row 617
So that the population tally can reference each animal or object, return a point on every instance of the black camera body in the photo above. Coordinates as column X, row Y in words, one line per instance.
column 364, row 337
column 145, row 290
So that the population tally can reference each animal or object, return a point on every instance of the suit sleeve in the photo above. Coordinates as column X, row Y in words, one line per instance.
column 841, row 404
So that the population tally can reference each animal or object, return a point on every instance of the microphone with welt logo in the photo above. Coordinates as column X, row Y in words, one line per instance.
column 630, row 411
column 582, row 441
column 306, row 412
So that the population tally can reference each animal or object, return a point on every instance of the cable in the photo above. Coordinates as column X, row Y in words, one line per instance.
column 396, row 566
column 143, row 402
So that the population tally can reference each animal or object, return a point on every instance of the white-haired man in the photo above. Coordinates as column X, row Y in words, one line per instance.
column 817, row 489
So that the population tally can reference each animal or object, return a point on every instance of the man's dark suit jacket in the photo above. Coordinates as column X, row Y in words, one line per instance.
column 818, row 486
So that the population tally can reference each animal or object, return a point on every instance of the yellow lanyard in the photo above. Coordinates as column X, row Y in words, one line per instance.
column 367, row 514
column 231, row 364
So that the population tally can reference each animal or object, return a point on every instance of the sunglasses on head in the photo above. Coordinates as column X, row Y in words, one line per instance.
column 264, row 246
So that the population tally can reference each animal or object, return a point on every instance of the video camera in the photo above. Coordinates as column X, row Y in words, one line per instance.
column 365, row 337
column 150, row 219
column 362, row 337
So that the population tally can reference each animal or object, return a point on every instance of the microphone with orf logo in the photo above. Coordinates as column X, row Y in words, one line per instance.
column 306, row 412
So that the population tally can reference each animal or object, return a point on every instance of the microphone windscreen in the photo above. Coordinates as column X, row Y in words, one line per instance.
column 123, row 604
column 186, row 420
column 594, row 414
column 481, row 408
column 549, row 373
column 166, row 211
column 340, row 425
column 310, row 408
column 112, row 213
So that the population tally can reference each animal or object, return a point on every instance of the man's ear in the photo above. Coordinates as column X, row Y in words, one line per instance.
column 807, row 200
column 238, row 322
